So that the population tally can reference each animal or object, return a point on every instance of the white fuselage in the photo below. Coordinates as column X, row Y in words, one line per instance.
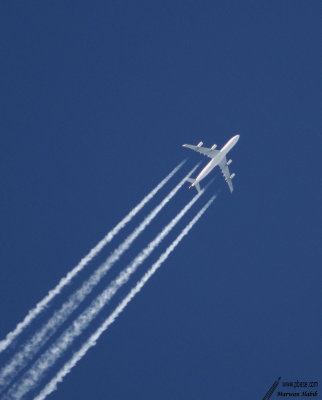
column 217, row 159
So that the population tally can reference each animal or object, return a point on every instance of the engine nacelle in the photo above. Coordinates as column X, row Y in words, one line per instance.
column 229, row 162
column 213, row 147
column 232, row 175
column 199, row 144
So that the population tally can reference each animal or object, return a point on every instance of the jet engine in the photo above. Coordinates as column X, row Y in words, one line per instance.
column 199, row 144
column 213, row 147
column 229, row 162
column 232, row 175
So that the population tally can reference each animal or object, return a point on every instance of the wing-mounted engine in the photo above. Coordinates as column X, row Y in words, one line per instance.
column 213, row 147
column 232, row 175
column 229, row 162
column 202, row 150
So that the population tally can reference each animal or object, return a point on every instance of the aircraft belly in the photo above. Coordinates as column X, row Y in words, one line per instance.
column 209, row 167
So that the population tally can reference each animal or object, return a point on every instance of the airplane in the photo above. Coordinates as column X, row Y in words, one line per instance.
column 218, row 157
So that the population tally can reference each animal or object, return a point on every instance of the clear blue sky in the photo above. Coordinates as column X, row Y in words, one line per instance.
column 96, row 99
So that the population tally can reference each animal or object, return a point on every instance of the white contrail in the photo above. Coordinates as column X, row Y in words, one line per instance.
column 50, row 356
column 21, row 358
column 66, row 369
column 11, row 336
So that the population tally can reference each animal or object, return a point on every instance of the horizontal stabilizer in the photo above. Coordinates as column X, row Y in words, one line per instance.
column 198, row 187
column 194, row 184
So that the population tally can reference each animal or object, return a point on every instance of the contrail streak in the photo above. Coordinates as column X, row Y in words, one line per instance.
column 20, row 359
column 50, row 356
column 66, row 369
column 11, row 336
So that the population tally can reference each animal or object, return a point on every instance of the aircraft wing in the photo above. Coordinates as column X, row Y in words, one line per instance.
column 225, row 171
column 202, row 150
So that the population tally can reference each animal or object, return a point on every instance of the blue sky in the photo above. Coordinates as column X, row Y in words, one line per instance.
column 97, row 99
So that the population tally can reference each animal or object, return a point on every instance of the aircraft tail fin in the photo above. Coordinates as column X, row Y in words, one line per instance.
column 194, row 183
